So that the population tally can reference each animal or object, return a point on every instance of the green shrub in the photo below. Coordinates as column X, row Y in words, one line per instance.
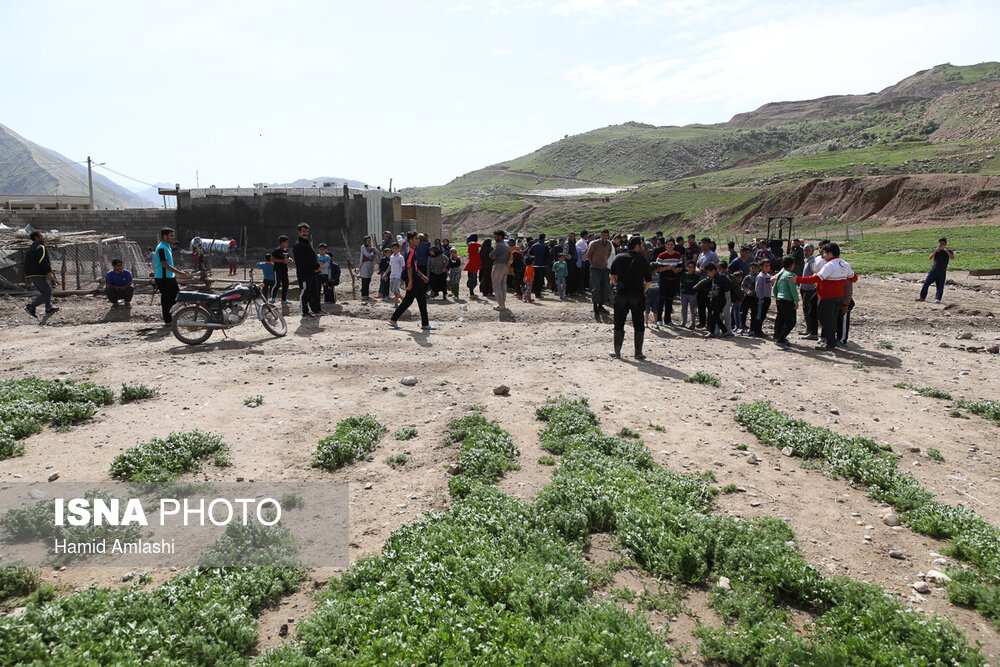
column 547, row 460
column 405, row 433
column 702, row 377
column 254, row 401
column 27, row 404
column 16, row 581
column 163, row 459
column 929, row 392
column 934, row 454
column 988, row 409
column 487, row 452
column 136, row 392
column 397, row 459
column 354, row 438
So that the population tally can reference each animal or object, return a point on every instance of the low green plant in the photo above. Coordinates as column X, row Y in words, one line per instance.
column 958, row 415
column 26, row 405
column 17, row 581
column 626, row 432
column 476, row 407
column 291, row 501
column 729, row 488
column 863, row 461
column 547, row 460
column 929, row 392
column 202, row 616
column 354, row 438
column 400, row 394
column 254, row 401
column 740, row 447
column 137, row 392
column 163, row 459
column 486, row 453
column 884, row 345
column 405, row 433
column 397, row 459
column 934, row 454
column 658, row 427
column 702, row 377
column 986, row 409
column 858, row 366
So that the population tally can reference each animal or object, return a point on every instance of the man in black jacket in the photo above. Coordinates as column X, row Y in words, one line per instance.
column 306, row 271
column 631, row 276
column 38, row 269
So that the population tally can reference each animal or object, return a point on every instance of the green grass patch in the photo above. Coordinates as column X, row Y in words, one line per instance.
column 137, row 392
column 935, row 454
column 405, row 433
column 729, row 488
column 958, row 415
column 884, row 345
column 627, row 432
column 28, row 404
column 986, row 409
column 486, row 453
column 354, row 438
column 929, row 392
column 254, row 401
column 200, row 617
column 397, row 459
column 701, row 377
column 858, row 366
column 658, row 427
column 163, row 459
column 863, row 461
column 17, row 581
column 547, row 460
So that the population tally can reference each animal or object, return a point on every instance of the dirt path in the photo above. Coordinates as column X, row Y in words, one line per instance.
column 351, row 362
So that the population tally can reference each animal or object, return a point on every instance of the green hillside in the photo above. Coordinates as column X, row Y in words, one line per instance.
column 944, row 120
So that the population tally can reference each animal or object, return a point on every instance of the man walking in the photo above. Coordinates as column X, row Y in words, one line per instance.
column 631, row 276
column 38, row 269
column 416, row 287
column 540, row 255
column 598, row 254
column 165, row 273
column 306, row 272
column 939, row 270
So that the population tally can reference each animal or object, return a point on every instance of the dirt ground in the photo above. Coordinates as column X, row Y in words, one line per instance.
column 349, row 362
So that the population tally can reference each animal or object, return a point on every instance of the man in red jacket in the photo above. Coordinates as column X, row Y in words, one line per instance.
column 830, row 283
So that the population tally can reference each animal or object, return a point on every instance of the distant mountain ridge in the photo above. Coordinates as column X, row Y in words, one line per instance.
column 29, row 169
column 319, row 182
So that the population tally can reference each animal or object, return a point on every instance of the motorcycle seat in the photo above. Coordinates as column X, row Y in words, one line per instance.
column 196, row 296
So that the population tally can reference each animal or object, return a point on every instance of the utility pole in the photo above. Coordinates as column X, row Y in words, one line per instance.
column 90, row 182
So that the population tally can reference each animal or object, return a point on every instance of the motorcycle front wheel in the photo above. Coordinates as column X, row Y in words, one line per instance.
column 273, row 320
column 186, row 327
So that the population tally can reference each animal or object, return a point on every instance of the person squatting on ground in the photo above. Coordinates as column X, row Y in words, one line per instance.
column 38, row 270
column 165, row 273
column 938, row 272
column 118, row 284
column 631, row 276
column 307, row 272
column 416, row 287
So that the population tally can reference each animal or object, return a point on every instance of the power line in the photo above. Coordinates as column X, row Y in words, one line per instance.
column 103, row 165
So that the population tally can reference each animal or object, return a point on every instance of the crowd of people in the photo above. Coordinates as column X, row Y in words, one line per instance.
column 639, row 277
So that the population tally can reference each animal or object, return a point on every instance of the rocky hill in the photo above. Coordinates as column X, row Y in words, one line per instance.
column 945, row 120
column 29, row 169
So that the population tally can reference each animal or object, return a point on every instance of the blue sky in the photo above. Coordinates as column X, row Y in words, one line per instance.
column 422, row 92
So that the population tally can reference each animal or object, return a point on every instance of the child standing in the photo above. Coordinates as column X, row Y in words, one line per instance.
column 437, row 267
column 383, row 266
column 529, row 277
column 786, row 297
column 267, row 269
column 749, row 305
column 395, row 272
column 689, row 298
column 325, row 274
column 762, row 288
column 560, row 270
column 474, row 264
column 737, row 279
column 454, row 271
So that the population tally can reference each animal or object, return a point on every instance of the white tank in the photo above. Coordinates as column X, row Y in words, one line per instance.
column 216, row 245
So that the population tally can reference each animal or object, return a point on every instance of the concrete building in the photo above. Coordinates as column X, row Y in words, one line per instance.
column 44, row 202
column 427, row 217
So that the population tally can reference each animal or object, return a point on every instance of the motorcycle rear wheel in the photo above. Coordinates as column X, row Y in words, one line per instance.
column 273, row 320
column 189, row 335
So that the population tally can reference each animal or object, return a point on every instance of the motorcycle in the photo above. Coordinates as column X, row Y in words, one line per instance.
column 196, row 314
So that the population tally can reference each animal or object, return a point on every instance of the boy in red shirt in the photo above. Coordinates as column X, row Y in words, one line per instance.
column 474, row 264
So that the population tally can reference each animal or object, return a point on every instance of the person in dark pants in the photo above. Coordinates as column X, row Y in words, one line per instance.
column 118, row 284
column 416, row 288
column 279, row 256
column 570, row 250
column 808, row 294
column 631, row 276
column 830, row 283
column 671, row 265
column 38, row 269
column 165, row 273
column 939, row 270
column 306, row 272
column 598, row 255
column 539, row 254
column 786, row 298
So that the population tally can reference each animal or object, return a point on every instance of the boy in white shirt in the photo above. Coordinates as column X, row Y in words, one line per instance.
column 395, row 272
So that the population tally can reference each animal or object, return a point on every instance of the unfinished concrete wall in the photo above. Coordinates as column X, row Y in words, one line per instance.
column 428, row 218
column 138, row 224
